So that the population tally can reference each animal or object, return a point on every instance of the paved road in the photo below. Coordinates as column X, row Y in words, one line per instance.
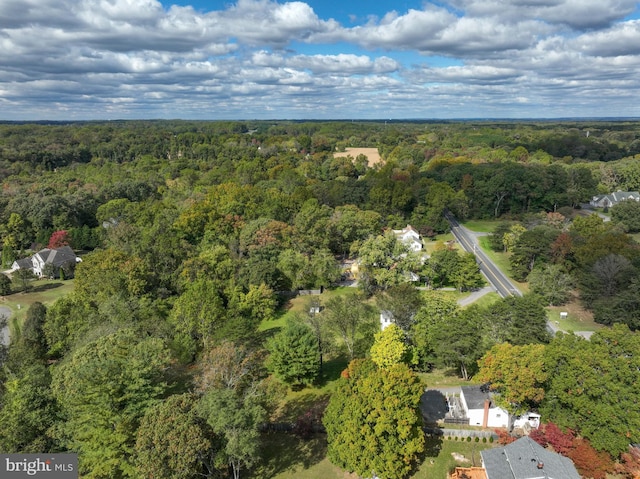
column 4, row 334
column 497, row 278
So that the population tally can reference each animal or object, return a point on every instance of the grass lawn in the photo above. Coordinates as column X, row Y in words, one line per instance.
column 578, row 318
column 439, row 461
column 487, row 300
column 296, row 305
column 287, row 457
column 442, row 378
column 45, row 291
column 482, row 226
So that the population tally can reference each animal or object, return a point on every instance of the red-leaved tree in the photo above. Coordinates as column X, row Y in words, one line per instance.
column 629, row 466
column 58, row 239
column 550, row 434
column 588, row 461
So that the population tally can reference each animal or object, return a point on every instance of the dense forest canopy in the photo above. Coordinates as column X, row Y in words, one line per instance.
column 191, row 233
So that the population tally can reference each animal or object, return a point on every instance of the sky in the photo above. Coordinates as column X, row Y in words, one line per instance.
column 347, row 59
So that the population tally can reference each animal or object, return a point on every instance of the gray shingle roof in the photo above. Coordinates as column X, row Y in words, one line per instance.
column 58, row 256
column 526, row 459
column 475, row 396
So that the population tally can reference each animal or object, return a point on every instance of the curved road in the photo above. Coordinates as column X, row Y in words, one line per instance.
column 4, row 334
column 497, row 278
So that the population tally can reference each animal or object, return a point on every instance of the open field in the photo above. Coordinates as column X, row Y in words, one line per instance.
column 372, row 154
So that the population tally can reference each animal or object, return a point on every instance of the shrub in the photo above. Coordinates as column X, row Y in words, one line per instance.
column 468, row 438
column 477, row 439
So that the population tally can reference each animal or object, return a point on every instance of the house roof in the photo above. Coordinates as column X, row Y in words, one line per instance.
column 618, row 196
column 24, row 263
column 526, row 459
column 58, row 256
column 475, row 396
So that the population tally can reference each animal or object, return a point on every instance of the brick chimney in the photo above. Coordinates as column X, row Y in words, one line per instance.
column 485, row 417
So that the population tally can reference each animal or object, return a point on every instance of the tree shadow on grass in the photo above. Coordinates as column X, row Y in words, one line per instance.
column 39, row 288
column 286, row 452
column 332, row 369
column 303, row 404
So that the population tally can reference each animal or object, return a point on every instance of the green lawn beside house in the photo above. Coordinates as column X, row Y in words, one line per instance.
column 45, row 291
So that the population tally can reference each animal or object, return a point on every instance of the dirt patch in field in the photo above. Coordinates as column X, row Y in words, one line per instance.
column 373, row 157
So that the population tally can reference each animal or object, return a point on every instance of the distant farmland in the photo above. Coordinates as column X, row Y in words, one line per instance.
column 372, row 154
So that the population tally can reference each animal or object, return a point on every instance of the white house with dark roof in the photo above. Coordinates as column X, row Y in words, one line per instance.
column 526, row 459
column 480, row 409
column 612, row 199
column 57, row 257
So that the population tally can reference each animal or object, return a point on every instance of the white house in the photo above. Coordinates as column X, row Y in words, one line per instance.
column 386, row 319
column 612, row 199
column 58, row 258
column 480, row 409
column 410, row 237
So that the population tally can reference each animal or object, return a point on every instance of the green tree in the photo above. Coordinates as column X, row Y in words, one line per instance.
column 296, row 268
column 18, row 232
column 236, row 418
column 173, row 442
column 403, row 302
column 517, row 373
column 28, row 411
column 373, row 421
column 352, row 321
column 104, row 388
column 436, row 312
column 294, row 357
column 516, row 320
column 532, row 248
column 24, row 277
column 389, row 347
column 458, row 342
column 551, row 283
column 511, row 237
column 467, row 276
column 230, row 366
column 32, row 333
column 8, row 255
column 627, row 213
column 107, row 273
column 5, row 284
column 384, row 262
column 350, row 224
column 594, row 382
column 199, row 311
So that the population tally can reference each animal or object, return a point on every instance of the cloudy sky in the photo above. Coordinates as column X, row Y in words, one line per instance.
column 319, row 59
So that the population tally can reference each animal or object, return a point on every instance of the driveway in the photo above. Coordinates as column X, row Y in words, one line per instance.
column 4, row 334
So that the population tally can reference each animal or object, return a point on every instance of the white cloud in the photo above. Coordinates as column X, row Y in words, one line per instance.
column 136, row 58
